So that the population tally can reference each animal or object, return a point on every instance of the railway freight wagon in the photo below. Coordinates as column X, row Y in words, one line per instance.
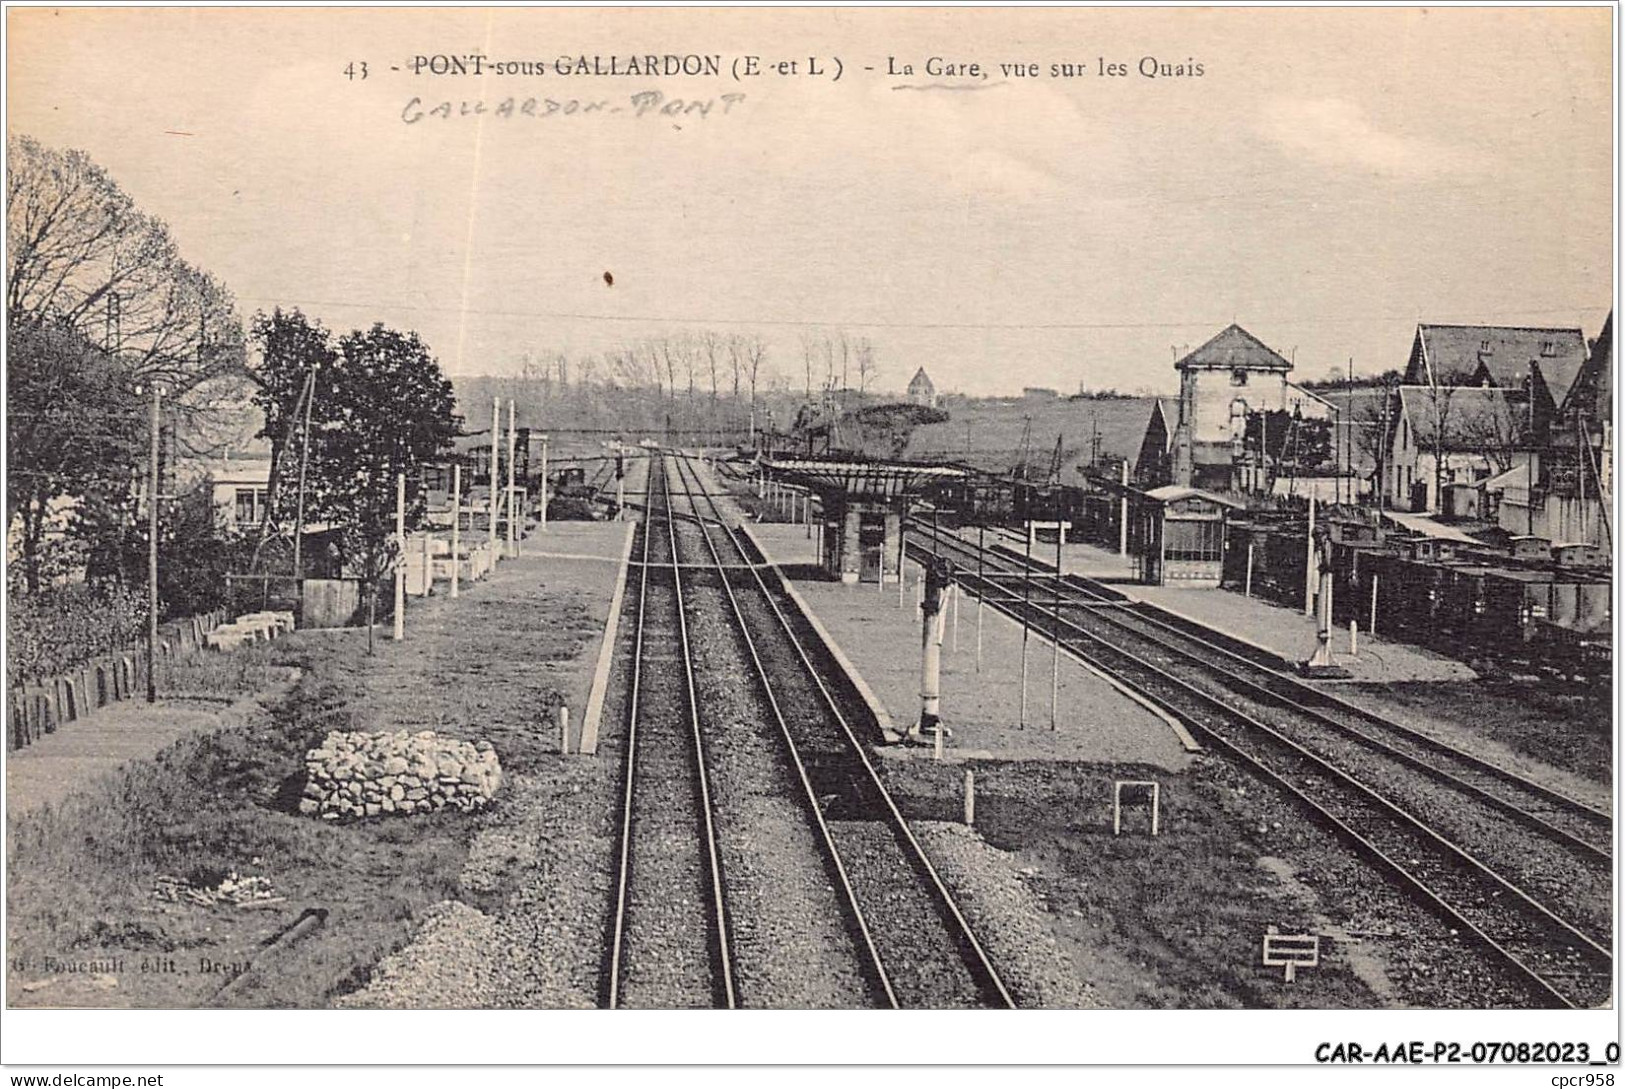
column 978, row 499
column 1099, row 519
column 1277, row 556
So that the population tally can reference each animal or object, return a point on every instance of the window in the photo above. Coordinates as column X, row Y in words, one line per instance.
column 1484, row 346
column 1201, row 541
column 250, row 506
column 1238, row 377
column 1548, row 348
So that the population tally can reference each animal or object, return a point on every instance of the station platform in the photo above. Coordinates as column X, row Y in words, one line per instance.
column 1287, row 633
column 1095, row 722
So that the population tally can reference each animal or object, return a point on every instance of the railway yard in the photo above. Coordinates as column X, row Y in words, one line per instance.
column 742, row 824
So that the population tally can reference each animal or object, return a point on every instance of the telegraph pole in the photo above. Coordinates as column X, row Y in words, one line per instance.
column 400, row 558
column 496, row 430
column 513, row 533
column 152, row 554
column 544, row 485
column 304, row 460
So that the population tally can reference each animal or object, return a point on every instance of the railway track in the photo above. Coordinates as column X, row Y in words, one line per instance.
column 712, row 766
column 669, row 946
column 923, row 948
column 1397, row 796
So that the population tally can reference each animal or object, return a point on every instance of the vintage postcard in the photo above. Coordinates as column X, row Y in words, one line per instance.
column 844, row 509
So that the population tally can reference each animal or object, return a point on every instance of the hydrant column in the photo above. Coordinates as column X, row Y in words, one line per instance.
column 931, row 618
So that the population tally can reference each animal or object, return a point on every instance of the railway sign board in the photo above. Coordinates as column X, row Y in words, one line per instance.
column 1146, row 792
column 1291, row 951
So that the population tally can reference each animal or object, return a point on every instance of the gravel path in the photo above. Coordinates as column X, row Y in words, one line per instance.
column 545, row 865
column 793, row 946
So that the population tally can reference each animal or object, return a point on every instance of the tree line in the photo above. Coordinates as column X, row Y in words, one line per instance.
column 698, row 383
column 102, row 309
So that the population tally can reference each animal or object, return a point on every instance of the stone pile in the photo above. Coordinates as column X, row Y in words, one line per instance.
column 358, row 774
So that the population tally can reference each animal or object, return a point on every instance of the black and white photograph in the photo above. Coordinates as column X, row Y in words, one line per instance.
column 1106, row 511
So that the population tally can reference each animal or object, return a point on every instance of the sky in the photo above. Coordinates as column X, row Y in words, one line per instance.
column 1331, row 178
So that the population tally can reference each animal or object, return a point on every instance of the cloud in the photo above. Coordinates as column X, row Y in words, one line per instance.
column 1340, row 134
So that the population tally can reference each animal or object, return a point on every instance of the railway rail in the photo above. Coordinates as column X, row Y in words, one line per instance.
column 923, row 946
column 664, row 952
column 1343, row 764
column 679, row 935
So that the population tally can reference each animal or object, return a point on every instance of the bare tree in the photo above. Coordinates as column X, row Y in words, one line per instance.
column 711, row 344
column 809, row 348
column 865, row 354
column 80, row 253
column 755, row 351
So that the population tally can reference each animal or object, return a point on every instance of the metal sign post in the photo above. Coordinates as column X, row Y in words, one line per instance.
column 1291, row 951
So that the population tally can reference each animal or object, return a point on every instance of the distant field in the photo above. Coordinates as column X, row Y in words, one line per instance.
column 993, row 430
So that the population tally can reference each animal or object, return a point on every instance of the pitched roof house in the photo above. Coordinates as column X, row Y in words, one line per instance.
column 1511, row 358
column 1448, row 435
column 921, row 391
column 1234, row 349
column 1154, row 466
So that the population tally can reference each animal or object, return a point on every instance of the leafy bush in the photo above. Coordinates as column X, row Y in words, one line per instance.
column 56, row 630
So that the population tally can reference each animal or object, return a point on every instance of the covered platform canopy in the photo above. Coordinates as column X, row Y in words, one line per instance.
column 862, row 504
column 880, row 480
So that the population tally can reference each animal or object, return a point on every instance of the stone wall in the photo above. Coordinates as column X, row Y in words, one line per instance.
column 357, row 774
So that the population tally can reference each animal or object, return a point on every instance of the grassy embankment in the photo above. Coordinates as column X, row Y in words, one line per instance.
column 82, row 873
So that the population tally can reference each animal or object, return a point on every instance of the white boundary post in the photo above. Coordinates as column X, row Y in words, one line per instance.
column 456, row 525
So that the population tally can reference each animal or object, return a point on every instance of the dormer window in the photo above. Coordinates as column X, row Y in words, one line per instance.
column 1548, row 348
column 1238, row 377
column 1484, row 347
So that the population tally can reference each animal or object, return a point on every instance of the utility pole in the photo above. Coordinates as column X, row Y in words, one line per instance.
column 304, row 460
column 544, row 485
column 1026, row 617
column 400, row 557
column 1348, row 437
column 1382, row 454
column 152, row 555
column 513, row 529
column 1309, row 573
column 1055, row 657
column 496, row 430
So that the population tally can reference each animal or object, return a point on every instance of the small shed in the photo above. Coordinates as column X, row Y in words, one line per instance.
column 1178, row 536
